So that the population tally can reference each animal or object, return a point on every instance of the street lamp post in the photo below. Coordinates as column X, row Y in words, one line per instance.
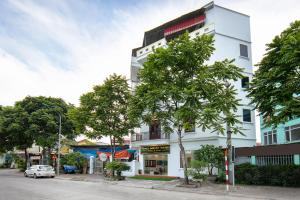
column 59, row 138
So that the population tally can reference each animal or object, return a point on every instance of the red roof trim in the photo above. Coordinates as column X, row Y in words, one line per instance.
column 184, row 25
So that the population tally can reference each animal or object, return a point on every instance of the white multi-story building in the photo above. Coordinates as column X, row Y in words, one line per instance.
column 159, row 153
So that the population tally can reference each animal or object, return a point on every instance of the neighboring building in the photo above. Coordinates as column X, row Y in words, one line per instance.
column 158, row 152
column 280, row 154
column 285, row 133
column 280, row 145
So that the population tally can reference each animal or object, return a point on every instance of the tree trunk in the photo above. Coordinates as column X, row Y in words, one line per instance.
column 229, row 148
column 44, row 156
column 49, row 156
column 26, row 157
column 183, row 157
column 112, row 149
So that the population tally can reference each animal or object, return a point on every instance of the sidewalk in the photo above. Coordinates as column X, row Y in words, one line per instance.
column 252, row 192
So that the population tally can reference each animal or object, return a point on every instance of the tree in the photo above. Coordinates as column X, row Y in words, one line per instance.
column 275, row 86
column 14, row 125
column 43, row 120
column 211, row 155
column 179, row 89
column 5, row 136
column 104, row 111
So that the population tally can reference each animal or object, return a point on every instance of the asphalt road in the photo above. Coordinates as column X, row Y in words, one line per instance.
column 13, row 186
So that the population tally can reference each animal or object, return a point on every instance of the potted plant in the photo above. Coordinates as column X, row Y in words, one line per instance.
column 117, row 167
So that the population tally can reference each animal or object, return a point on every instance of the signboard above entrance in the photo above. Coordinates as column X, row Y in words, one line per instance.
column 154, row 149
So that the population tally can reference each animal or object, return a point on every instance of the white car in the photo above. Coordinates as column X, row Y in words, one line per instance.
column 36, row 171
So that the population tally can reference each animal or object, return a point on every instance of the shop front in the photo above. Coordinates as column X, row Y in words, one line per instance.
column 155, row 159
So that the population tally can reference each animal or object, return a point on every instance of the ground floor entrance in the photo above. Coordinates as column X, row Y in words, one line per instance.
column 156, row 164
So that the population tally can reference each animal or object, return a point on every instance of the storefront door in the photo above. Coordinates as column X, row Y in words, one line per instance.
column 156, row 164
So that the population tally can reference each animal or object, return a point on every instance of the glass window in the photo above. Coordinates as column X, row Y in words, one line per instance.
column 287, row 136
column 270, row 137
column 244, row 50
column 295, row 134
column 265, row 139
column 155, row 130
column 292, row 133
column 246, row 115
column 274, row 137
column 245, row 82
column 189, row 156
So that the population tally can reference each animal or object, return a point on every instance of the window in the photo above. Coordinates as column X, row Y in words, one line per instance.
column 155, row 130
column 245, row 82
column 191, row 127
column 292, row 133
column 244, row 50
column 246, row 115
column 189, row 156
column 270, row 137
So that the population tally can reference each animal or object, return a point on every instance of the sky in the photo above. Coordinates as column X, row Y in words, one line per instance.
column 61, row 48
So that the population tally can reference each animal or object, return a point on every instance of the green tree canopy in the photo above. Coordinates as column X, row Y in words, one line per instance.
column 43, row 121
column 104, row 111
column 14, row 132
column 211, row 155
column 5, row 135
column 178, row 87
column 275, row 87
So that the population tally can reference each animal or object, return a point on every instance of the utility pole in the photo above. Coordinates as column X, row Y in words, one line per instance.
column 58, row 148
column 229, row 143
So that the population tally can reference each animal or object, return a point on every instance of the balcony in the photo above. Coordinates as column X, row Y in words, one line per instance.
column 146, row 136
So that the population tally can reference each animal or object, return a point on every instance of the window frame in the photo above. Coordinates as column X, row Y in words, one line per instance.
column 270, row 135
column 241, row 50
column 245, row 109
column 243, row 84
column 288, row 132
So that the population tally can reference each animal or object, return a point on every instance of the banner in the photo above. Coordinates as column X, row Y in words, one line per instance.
column 154, row 149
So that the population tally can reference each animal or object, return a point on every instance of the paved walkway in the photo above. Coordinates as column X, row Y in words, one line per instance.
column 255, row 192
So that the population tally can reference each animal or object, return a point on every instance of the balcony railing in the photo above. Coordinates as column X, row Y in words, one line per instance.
column 146, row 136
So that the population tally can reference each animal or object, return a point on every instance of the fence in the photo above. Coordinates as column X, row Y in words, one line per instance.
column 274, row 160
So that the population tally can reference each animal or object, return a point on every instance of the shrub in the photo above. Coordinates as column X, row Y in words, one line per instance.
column 274, row 175
column 20, row 162
column 197, row 168
column 118, row 167
column 74, row 159
column 221, row 177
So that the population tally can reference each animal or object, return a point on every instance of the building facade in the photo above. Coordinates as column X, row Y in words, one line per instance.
column 286, row 137
column 285, row 133
column 159, row 153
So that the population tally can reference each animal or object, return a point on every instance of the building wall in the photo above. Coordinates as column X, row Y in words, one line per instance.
column 230, row 29
column 280, row 130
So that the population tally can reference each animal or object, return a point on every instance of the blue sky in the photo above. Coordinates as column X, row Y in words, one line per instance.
column 62, row 48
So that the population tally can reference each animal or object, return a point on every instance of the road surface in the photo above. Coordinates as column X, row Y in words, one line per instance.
column 13, row 186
